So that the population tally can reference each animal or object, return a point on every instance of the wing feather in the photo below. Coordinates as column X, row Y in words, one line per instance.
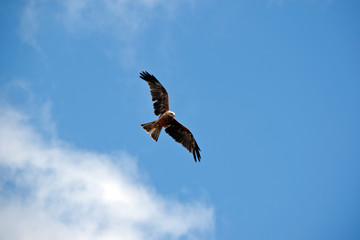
column 158, row 93
column 183, row 135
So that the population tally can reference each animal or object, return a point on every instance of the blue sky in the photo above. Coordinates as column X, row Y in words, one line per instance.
column 269, row 88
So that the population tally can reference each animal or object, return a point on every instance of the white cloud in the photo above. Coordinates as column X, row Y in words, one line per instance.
column 50, row 190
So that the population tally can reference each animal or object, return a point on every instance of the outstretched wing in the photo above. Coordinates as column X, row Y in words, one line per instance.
column 183, row 135
column 158, row 93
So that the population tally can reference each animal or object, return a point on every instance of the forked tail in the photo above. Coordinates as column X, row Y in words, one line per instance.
column 150, row 128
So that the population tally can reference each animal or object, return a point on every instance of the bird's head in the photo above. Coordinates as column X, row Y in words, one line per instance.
column 171, row 114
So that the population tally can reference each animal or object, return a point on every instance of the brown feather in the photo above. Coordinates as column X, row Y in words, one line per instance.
column 158, row 93
column 148, row 127
column 155, row 133
column 183, row 135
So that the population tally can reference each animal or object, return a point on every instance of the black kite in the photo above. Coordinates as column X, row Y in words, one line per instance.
column 166, row 119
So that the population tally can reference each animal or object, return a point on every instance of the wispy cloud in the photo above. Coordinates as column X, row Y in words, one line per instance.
column 29, row 24
column 50, row 190
column 124, row 18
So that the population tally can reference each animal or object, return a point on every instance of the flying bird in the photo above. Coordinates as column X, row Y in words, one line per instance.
column 166, row 119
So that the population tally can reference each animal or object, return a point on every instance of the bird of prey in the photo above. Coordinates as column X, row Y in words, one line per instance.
column 166, row 119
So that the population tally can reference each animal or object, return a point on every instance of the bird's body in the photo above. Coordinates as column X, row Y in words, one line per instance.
column 155, row 127
column 166, row 119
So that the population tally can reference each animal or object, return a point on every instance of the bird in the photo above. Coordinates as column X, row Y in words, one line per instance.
column 166, row 119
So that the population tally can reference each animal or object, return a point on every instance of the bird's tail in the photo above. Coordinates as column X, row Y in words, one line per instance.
column 155, row 131
column 148, row 127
